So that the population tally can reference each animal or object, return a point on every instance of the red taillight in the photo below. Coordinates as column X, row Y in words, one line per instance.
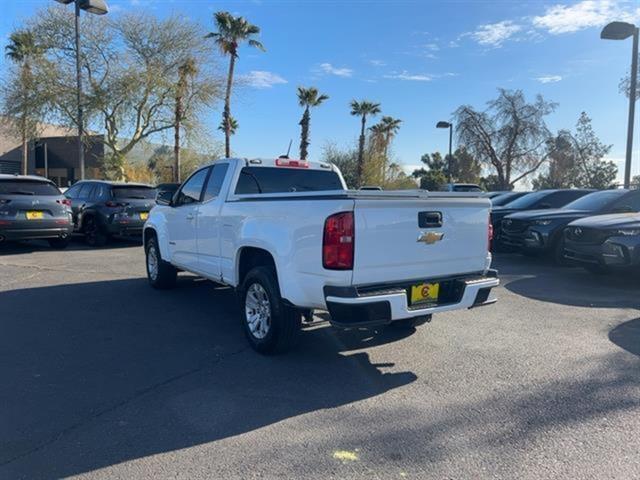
column 489, row 235
column 283, row 162
column 338, row 242
column 64, row 201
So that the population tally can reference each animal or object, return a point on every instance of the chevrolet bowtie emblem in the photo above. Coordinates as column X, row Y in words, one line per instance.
column 430, row 237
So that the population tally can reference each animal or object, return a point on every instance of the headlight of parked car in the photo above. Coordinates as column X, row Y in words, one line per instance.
column 627, row 232
column 542, row 222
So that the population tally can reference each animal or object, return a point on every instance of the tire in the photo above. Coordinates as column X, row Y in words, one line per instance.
column 410, row 323
column 59, row 243
column 161, row 275
column 269, row 324
column 93, row 234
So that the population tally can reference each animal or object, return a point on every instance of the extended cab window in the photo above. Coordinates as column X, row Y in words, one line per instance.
column 27, row 187
column 191, row 191
column 281, row 180
column 214, row 184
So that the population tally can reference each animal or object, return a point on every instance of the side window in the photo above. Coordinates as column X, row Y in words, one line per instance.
column 191, row 191
column 85, row 190
column 214, row 184
column 628, row 203
column 100, row 192
column 72, row 192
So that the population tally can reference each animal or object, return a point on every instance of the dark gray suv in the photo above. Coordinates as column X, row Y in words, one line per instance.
column 33, row 208
column 103, row 209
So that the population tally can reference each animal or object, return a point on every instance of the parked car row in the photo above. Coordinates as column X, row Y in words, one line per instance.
column 597, row 229
column 33, row 207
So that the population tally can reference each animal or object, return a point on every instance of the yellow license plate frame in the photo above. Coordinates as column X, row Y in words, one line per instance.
column 144, row 215
column 426, row 292
column 34, row 215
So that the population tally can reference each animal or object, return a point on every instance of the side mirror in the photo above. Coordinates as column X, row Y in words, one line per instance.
column 164, row 198
column 544, row 205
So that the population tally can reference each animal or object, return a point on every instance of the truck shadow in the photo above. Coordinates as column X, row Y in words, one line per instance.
column 541, row 280
column 627, row 336
column 95, row 374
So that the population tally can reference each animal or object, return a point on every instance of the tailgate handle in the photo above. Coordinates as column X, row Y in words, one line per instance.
column 429, row 219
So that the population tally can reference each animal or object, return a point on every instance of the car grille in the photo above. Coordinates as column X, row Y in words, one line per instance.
column 587, row 235
column 512, row 225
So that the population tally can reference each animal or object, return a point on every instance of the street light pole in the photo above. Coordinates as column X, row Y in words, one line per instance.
column 98, row 7
column 622, row 31
column 79, row 90
column 449, row 125
column 632, row 109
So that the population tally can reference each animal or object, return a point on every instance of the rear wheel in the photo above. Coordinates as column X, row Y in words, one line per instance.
column 93, row 234
column 269, row 324
column 59, row 243
column 161, row 275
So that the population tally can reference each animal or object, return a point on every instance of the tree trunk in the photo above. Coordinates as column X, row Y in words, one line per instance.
column 304, row 134
column 176, row 140
column 226, row 114
column 361, row 151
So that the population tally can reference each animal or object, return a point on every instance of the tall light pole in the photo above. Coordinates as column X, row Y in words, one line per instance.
column 448, row 125
column 622, row 31
column 98, row 7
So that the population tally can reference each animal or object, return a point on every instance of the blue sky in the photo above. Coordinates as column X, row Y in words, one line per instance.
column 419, row 59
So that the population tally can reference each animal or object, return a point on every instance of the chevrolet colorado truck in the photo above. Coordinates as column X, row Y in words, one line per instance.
column 290, row 238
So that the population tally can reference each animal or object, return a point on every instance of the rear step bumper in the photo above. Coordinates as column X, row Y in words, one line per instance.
column 365, row 307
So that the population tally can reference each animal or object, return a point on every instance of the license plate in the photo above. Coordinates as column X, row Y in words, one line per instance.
column 34, row 215
column 144, row 215
column 424, row 293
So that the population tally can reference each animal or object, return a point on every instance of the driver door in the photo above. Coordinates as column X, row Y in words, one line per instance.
column 182, row 221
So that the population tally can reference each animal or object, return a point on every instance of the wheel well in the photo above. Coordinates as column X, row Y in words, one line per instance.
column 254, row 257
column 148, row 233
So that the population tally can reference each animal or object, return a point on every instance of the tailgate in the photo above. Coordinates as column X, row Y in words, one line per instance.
column 412, row 239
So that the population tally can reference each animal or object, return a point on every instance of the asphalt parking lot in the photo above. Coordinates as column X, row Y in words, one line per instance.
column 103, row 377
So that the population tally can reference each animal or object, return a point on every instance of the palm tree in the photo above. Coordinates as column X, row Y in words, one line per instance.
column 307, row 98
column 186, row 70
column 232, row 31
column 389, row 127
column 362, row 109
column 233, row 126
column 22, row 48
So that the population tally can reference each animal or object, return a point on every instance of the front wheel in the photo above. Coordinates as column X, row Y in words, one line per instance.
column 161, row 275
column 269, row 324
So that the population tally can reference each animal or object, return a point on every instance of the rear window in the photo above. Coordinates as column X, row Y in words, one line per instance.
column 134, row 192
column 529, row 199
column 281, row 180
column 596, row 201
column 28, row 187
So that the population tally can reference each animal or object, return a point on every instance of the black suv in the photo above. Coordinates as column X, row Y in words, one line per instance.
column 532, row 201
column 541, row 231
column 102, row 209
column 33, row 208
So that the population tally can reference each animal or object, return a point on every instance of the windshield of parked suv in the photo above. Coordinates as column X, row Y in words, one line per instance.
column 528, row 200
column 134, row 192
column 28, row 187
column 280, row 180
column 596, row 200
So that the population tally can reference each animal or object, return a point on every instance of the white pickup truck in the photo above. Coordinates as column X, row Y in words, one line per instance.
column 290, row 238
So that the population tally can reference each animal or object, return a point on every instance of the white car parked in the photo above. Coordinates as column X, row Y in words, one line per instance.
column 290, row 238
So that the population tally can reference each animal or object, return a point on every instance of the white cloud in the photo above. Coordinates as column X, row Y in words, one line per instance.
column 549, row 78
column 493, row 34
column 262, row 79
column 432, row 46
column 331, row 70
column 377, row 63
column 559, row 19
column 404, row 75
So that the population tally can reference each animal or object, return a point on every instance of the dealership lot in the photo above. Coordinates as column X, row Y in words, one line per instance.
column 104, row 377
